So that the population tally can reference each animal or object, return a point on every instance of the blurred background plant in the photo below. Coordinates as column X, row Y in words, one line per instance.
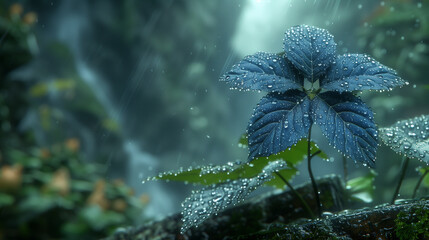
column 51, row 192
column 397, row 34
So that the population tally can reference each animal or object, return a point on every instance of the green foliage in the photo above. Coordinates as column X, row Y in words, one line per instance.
column 396, row 34
column 52, row 192
column 413, row 226
column 17, row 41
column 422, row 170
column 362, row 188
column 76, row 96
column 92, row 218
column 15, row 50
column 207, row 175
column 6, row 200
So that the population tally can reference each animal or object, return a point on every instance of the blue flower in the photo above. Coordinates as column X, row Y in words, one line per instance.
column 309, row 84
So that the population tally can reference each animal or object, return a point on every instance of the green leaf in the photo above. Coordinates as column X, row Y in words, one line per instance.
column 422, row 170
column 287, row 174
column 74, row 228
column 99, row 219
column 36, row 204
column 207, row 175
column 362, row 188
column 243, row 143
column 82, row 186
column 24, row 159
column 6, row 200
column 298, row 150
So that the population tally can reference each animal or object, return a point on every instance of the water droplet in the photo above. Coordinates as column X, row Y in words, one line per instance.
column 406, row 145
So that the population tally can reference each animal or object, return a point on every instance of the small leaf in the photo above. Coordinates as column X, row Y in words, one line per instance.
column 409, row 137
column 209, row 201
column 310, row 49
column 348, row 124
column 422, row 171
column 288, row 174
column 355, row 72
column 293, row 155
column 362, row 188
column 243, row 143
column 264, row 72
column 279, row 122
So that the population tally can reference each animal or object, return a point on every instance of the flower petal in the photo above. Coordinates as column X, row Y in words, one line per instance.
column 279, row 122
column 348, row 124
column 310, row 49
column 264, row 72
column 354, row 72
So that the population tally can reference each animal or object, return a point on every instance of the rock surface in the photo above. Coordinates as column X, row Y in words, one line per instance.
column 281, row 216
column 381, row 222
column 254, row 215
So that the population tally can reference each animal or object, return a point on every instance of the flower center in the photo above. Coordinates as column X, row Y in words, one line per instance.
column 311, row 88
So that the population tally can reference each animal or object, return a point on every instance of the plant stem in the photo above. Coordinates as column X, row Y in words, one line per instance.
column 313, row 182
column 404, row 168
column 419, row 182
column 304, row 203
column 345, row 169
column 316, row 153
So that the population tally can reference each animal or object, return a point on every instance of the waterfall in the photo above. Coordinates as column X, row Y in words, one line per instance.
column 73, row 27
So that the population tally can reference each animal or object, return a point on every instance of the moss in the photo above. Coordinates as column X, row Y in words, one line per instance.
column 413, row 224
